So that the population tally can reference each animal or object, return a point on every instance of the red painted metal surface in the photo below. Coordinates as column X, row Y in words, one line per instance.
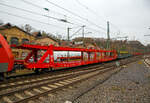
column 137, row 53
column 71, row 58
column 46, row 60
column 6, row 55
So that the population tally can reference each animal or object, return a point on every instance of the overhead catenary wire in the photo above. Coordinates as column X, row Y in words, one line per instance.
column 76, row 15
column 62, row 14
column 93, row 12
column 75, row 33
column 30, row 12
column 34, row 13
column 98, row 31
column 43, row 8
column 90, row 10
column 40, row 7
column 85, row 19
column 31, row 19
column 115, row 26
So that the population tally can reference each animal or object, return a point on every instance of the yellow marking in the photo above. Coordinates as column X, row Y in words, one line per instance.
column 140, row 62
column 124, row 52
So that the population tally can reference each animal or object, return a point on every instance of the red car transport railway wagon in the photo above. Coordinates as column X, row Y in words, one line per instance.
column 47, row 58
column 42, row 57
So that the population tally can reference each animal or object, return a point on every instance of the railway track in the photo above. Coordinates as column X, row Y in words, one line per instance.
column 41, row 79
column 26, row 81
column 25, row 91
column 48, row 73
column 147, row 62
column 25, row 94
column 30, row 76
column 15, row 79
column 19, row 79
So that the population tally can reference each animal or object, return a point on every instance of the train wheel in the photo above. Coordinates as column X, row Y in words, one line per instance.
column 50, row 69
column 37, row 71
column 2, row 77
column 44, row 70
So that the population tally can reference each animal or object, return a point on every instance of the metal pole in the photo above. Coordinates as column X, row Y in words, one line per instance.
column 68, row 29
column 83, row 30
column 83, row 33
column 108, row 36
column 68, row 37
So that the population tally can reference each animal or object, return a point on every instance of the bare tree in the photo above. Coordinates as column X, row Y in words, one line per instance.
column 27, row 28
column 1, row 22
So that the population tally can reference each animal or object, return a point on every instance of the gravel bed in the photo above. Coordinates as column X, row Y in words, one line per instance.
column 131, row 85
column 70, row 93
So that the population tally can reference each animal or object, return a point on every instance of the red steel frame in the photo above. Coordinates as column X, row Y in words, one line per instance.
column 39, row 62
column 71, row 58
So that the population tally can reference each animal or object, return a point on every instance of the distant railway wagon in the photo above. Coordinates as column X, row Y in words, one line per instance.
column 123, row 54
column 137, row 53
column 47, row 60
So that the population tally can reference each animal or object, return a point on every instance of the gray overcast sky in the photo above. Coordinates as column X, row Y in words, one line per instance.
column 131, row 17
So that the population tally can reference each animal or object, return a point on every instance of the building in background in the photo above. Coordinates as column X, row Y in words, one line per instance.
column 85, row 43
column 16, row 35
column 46, row 41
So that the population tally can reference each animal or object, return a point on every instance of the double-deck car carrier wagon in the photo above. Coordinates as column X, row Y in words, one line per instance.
column 42, row 57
